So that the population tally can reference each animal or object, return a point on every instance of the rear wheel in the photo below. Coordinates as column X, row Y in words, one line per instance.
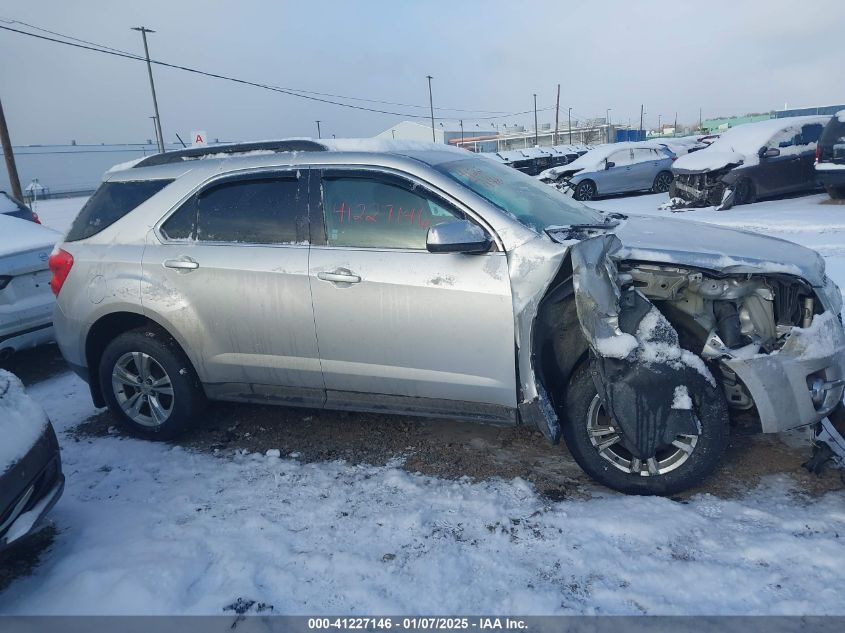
column 595, row 443
column 585, row 190
column 837, row 193
column 149, row 384
column 662, row 182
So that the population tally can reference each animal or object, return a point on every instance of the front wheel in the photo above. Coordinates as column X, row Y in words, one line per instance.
column 585, row 190
column 744, row 192
column 149, row 385
column 596, row 443
column 836, row 193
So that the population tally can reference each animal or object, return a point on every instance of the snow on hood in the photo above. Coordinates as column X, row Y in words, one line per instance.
column 706, row 160
column 21, row 421
column 727, row 250
column 18, row 236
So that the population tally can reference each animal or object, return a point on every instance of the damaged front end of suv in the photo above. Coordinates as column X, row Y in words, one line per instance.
column 706, row 187
column 669, row 345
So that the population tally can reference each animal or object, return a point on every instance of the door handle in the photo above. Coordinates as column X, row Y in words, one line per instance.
column 182, row 264
column 340, row 276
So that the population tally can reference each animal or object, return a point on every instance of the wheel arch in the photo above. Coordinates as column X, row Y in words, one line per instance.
column 104, row 330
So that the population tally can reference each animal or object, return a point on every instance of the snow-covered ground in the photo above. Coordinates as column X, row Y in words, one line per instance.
column 156, row 529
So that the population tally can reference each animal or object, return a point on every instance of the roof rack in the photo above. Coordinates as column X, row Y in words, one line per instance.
column 233, row 148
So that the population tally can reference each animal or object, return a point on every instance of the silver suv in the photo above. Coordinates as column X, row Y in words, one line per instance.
column 418, row 279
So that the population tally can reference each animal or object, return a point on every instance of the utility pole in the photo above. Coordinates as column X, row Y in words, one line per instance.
column 569, row 116
column 659, row 122
column 431, row 105
column 557, row 111
column 536, row 138
column 675, row 127
column 641, row 119
column 160, row 137
column 607, row 122
column 10, row 156
column 319, row 134
column 700, row 123
column 462, row 131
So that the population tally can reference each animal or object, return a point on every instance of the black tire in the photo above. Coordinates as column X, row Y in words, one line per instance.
column 836, row 193
column 712, row 413
column 744, row 191
column 585, row 190
column 662, row 182
column 183, row 407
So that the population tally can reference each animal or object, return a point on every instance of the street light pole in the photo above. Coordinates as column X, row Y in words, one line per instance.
column 557, row 112
column 431, row 105
column 569, row 117
column 462, row 131
column 536, row 138
column 319, row 134
column 607, row 122
column 144, row 30
column 641, row 119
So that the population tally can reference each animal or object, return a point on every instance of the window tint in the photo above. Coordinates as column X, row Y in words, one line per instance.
column 255, row 211
column 183, row 223
column 375, row 214
column 111, row 202
column 811, row 133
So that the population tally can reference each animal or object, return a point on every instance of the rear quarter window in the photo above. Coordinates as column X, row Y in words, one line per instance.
column 110, row 202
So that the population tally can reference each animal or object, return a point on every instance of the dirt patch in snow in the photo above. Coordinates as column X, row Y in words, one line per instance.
column 25, row 556
column 453, row 449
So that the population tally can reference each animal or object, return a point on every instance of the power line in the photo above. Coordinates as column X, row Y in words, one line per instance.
column 302, row 94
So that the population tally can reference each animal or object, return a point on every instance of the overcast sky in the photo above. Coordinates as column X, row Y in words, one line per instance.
column 726, row 57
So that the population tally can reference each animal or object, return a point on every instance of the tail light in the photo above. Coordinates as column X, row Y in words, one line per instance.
column 818, row 152
column 60, row 263
column 35, row 218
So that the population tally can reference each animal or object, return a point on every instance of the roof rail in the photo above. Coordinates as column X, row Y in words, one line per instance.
column 233, row 148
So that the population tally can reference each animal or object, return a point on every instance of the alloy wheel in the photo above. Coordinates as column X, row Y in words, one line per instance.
column 143, row 389
column 606, row 439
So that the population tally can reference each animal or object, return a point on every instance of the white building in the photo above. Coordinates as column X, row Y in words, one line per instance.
column 412, row 131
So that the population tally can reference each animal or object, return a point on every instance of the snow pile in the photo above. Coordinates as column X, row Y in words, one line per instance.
column 21, row 421
column 840, row 116
column 129, row 164
column 819, row 340
column 681, row 400
column 619, row 346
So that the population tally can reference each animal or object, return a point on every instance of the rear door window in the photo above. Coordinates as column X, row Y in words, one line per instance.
column 110, row 202
column 621, row 158
column 811, row 133
column 643, row 154
column 250, row 211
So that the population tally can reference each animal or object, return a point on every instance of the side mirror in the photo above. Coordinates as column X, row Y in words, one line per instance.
column 772, row 152
column 610, row 164
column 461, row 236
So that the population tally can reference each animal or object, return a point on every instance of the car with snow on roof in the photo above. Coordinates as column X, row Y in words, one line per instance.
column 31, row 479
column 750, row 161
column 413, row 278
column 615, row 168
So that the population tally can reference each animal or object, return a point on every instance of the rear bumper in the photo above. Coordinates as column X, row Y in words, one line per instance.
column 834, row 177
column 778, row 382
column 27, row 337
column 29, row 489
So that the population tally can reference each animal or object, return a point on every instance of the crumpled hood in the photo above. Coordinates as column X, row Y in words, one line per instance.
column 706, row 160
column 727, row 250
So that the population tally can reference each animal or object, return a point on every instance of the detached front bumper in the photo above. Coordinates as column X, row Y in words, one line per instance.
column 29, row 489
column 802, row 382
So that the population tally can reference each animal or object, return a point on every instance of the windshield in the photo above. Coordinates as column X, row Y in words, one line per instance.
column 532, row 203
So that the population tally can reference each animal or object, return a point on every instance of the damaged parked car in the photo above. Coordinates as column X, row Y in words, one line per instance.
column 615, row 168
column 750, row 161
column 410, row 278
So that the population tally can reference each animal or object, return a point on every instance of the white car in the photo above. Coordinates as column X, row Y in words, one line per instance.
column 26, row 301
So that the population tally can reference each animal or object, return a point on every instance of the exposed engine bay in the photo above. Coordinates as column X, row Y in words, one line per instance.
column 726, row 317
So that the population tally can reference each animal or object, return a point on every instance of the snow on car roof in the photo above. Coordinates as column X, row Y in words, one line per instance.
column 750, row 137
column 592, row 158
column 21, row 420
